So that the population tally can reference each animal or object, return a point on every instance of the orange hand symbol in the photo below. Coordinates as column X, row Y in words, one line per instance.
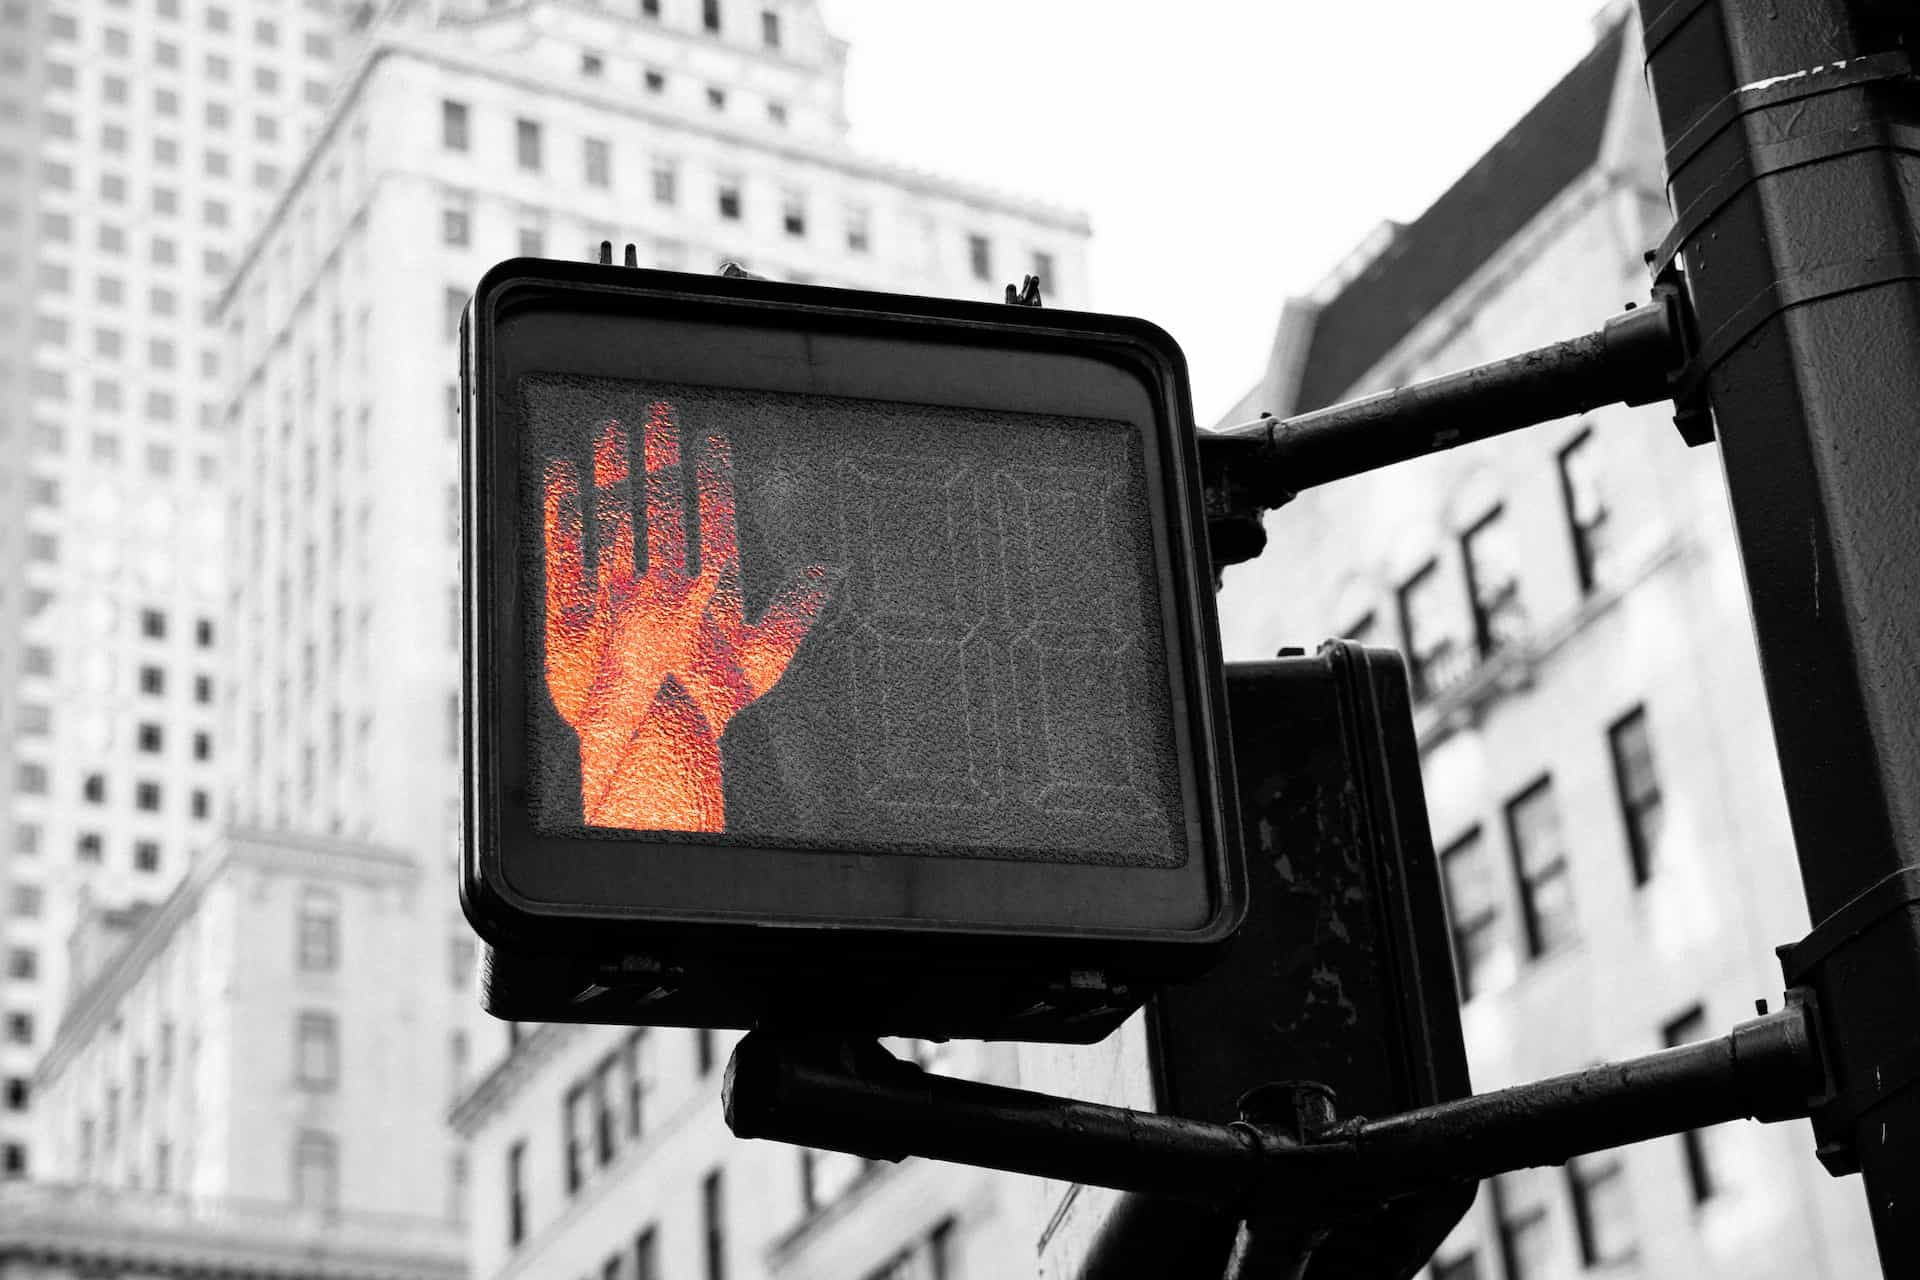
column 650, row 668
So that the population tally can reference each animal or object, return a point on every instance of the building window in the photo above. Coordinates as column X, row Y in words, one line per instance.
column 646, row 1254
column 793, row 215
column 713, row 1219
column 598, row 160
column 13, row 1160
column 633, row 1078
column 146, row 855
column 146, row 796
column 1480, row 957
column 859, row 235
column 1582, row 488
column 318, row 931
column 153, row 680
column 456, row 226
column 710, row 15
column 1602, row 1213
column 606, row 1127
column 93, row 788
column 148, row 737
column 20, row 1028
column 453, row 125
column 980, row 257
column 316, row 1172
column 665, row 183
column 703, row 1050
column 573, row 1120
column 650, row 8
column 516, row 1193
column 770, row 28
column 729, row 193
column 591, row 64
column 1493, row 584
column 1429, row 636
column 777, row 114
column 1703, row 1181
column 1638, row 786
column 453, row 305
column 17, row 1093
column 23, row 963
column 88, row 846
column 526, row 144
column 656, row 81
column 1540, row 864
column 1526, row 1233
column 533, row 244
column 716, row 97
column 317, row 1050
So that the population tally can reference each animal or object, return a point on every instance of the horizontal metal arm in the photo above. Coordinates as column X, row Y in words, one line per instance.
column 1637, row 357
column 855, row 1097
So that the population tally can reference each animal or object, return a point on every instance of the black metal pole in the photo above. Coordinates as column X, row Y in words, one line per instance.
column 1793, row 141
column 1634, row 358
column 847, row 1096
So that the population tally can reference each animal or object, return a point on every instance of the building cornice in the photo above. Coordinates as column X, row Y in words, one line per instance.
column 425, row 48
column 87, row 1227
column 498, row 1087
column 277, row 853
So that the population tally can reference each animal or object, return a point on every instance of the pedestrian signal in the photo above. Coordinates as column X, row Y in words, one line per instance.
column 834, row 655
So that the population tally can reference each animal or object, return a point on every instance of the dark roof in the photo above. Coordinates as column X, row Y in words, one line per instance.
column 1554, row 143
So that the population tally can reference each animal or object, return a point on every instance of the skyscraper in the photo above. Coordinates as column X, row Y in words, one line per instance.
column 141, row 143
column 697, row 132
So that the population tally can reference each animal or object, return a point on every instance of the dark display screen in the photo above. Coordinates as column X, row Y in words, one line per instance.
column 843, row 624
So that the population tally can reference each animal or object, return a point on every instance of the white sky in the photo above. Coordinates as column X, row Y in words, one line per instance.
column 1229, row 152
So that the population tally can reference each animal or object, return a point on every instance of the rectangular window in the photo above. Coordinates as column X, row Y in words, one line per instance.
column 1493, row 584
column 665, row 183
column 1043, row 271
column 317, row 1050
column 716, row 97
column 710, row 15
column 729, row 199
column 1540, row 865
column 770, row 28
column 453, row 125
column 1430, row 636
column 526, row 144
column 456, row 226
column 316, row 1172
column 1642, row 810
column 318, row 932
column 980, row 257
column 1526, row 1233
column 650, row 8
column 453, row 305
column 573, row 1120
column 517, row 1193
column 646, row 1254
column 598, row 161
column 1480, row 957
column 605, row 1129
column 633, row 1078
column 703, row 1050
column 793, row 214
column 713, row 1219
column 1703, row 1181
column 656, row 81
column 533, row 244
column 859, row 231
column 1583, row 489
column 1602, row 1213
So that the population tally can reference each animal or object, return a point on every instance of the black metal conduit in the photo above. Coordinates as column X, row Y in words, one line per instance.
column 1636, row 357
column 858, row 1098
